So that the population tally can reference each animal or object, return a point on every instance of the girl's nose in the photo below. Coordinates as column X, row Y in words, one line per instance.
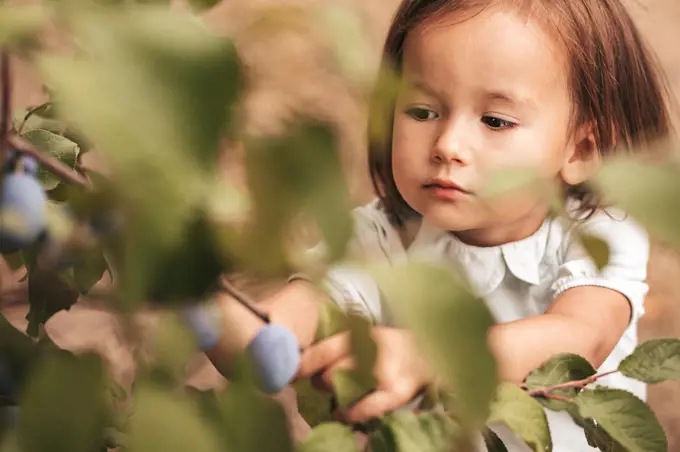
column 448, row 149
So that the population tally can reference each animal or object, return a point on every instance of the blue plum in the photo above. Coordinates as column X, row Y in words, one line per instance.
column 275, row 356
column 23, row 210
column 205, row 322
column 30, row 165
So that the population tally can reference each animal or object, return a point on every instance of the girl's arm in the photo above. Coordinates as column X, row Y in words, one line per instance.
column 592, row 308
column 588, row 321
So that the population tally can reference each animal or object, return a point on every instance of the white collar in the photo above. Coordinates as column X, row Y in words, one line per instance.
column 483, row 267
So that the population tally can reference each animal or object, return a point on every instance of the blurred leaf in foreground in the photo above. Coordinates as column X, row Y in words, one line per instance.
column 64, row 405
column 298, row 172
column 165, row 421
column 451, row 326
column 20, row 22
column 648, row 192
column 154, row 90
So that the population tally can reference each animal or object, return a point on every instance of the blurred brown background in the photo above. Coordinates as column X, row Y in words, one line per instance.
column 289, row 72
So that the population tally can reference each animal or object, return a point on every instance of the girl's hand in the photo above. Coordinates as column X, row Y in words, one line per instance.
column 400, row 371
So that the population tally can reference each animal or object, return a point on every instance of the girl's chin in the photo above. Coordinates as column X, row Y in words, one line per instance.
column 450, row 218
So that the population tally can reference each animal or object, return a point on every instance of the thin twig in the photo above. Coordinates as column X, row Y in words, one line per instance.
column 556, row 397
column 62, row 171
column 6, row 106
column 571, row 384
column 242, row 299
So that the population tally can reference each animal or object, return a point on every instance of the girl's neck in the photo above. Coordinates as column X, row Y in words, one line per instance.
column 486, row 237
column 501, row 234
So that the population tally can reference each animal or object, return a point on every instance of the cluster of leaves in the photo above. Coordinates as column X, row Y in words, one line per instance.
column 156, row 93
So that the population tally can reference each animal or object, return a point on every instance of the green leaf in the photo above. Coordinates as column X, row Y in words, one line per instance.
column 173, row 346
column 208, row 405
column 37, row 119
column 451, row 326
column 425, row 432
column 154, row 90
column 382, row 439
column 63, row 149
column 562, row 368
column 182, row 271
column 330, row 437
column 597, row 248
column 89, row 269
column 349, row 41
column 523, row 415
column 49, row 291
column 20, row 22
column 510, row 179
column 350, row 386
column 650, row 193
column 314, row 405
column 295, row 175
column 14, row 260
column 245, row 411
column 598, row 437
column 202, row 5
column 381, row 106
column 364, row 348
column 332, row 320
column 64, row 405
column 167, row 422
column 653, row 361
column 492, row 442
column 18, row 352
column 627, row 419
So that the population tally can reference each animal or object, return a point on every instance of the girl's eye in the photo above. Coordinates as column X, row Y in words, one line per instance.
column 497, row 123
column 421, row 114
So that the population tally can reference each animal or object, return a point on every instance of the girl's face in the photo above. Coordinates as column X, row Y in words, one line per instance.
column 480, row 95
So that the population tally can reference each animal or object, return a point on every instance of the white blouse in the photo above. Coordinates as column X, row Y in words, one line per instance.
column 516, row 280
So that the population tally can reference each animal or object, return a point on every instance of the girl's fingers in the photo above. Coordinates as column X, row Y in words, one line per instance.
column 374, row 405
column 323, row 354
column 325, row 378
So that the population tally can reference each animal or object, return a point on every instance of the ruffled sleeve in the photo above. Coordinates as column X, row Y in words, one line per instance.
column 347, row 284
column 626, row 270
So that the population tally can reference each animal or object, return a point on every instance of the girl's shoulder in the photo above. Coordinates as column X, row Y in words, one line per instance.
column 626, row 245
column 374, row 235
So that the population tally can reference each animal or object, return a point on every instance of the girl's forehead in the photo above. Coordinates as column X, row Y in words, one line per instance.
column 493, row 48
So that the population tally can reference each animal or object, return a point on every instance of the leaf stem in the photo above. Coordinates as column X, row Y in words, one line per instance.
column 556, row 397
column 544, row 392
column 28, row 114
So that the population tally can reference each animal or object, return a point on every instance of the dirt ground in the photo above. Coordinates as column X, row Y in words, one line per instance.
column 286, row 75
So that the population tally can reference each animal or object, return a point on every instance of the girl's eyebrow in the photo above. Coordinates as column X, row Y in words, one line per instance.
column 420, row 85
column 510, row 99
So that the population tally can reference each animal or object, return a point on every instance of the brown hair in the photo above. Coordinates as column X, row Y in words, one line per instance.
column 615, row 80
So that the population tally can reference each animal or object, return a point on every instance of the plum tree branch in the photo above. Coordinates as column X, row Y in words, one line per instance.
column 9, row 141
column 62, row 171
column 6, row 105
column 545, row 392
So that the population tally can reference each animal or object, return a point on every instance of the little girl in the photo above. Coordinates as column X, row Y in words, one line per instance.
column 552, row 85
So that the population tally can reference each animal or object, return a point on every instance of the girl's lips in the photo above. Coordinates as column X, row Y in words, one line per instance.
column 446, row 193
column 445, row 189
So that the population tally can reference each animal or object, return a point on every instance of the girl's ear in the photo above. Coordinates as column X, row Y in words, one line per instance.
column 582, row 158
